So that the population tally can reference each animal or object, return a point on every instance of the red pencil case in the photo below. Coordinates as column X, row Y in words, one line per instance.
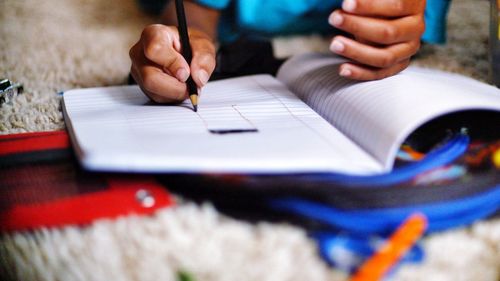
column 42, row 185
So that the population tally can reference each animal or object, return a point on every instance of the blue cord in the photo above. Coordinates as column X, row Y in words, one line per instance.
column 443, row 155
column 441, row 215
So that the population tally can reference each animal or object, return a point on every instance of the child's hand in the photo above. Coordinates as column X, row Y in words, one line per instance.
column 159, row 68
column 386, row 34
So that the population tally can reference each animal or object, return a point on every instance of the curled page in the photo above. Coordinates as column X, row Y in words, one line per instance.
column 379, row 115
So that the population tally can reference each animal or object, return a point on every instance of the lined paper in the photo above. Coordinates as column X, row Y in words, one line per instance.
column 118, row 129
column 379, row 115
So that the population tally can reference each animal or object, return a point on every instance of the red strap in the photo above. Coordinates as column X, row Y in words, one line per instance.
column 28, row 142
column 137, row 197
column 31, row 135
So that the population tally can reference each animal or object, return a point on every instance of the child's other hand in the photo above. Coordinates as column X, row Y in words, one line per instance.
column 159, row 67
column 386, row 34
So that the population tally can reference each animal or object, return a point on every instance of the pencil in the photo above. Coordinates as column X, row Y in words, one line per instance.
column 186, row 50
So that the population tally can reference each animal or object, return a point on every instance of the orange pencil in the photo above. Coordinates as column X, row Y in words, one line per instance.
column 396, row 246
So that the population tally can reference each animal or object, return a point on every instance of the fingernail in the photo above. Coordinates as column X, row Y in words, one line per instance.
column 337, row 46
column 349, row 5
column 203, row 76
column 345, row 72
column 336, row 19
column 182, row 75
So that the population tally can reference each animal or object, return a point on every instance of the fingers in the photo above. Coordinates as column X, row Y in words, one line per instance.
column 154, row 82
column 387, row 33
column 161, row 46
column 160, row 69
column 358, row 72
column 377, row 30
column 373, row 62
column 384, row 8
column 381, row 57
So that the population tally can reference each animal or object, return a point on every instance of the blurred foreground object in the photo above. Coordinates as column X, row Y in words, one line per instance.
column 9, row 90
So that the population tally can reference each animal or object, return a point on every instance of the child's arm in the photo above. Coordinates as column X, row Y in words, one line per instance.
column 157, row 63
column 386, row 34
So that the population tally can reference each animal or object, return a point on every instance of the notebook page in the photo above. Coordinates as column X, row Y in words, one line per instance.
column 379, row 115
column 118, row 129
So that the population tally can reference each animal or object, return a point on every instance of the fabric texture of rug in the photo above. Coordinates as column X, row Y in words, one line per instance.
column 54, row 45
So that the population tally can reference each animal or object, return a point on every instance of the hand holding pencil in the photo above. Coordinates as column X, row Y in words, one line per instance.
column 159, row 67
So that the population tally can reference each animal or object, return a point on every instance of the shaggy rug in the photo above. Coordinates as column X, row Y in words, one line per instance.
column 54, row 45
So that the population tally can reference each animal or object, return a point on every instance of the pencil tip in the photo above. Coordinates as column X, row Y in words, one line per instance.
column 194, row 101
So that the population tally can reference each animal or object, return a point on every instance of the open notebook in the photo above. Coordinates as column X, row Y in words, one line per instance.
column 308, row 119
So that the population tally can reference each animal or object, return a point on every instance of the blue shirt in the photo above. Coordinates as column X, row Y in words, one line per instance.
column 285, row 17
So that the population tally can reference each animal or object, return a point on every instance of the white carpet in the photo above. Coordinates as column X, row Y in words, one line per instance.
column 54, row 45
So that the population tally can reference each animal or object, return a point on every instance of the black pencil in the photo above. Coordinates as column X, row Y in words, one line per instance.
column 186, row 51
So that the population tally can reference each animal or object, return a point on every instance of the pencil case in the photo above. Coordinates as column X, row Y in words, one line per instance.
column 42, row 185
